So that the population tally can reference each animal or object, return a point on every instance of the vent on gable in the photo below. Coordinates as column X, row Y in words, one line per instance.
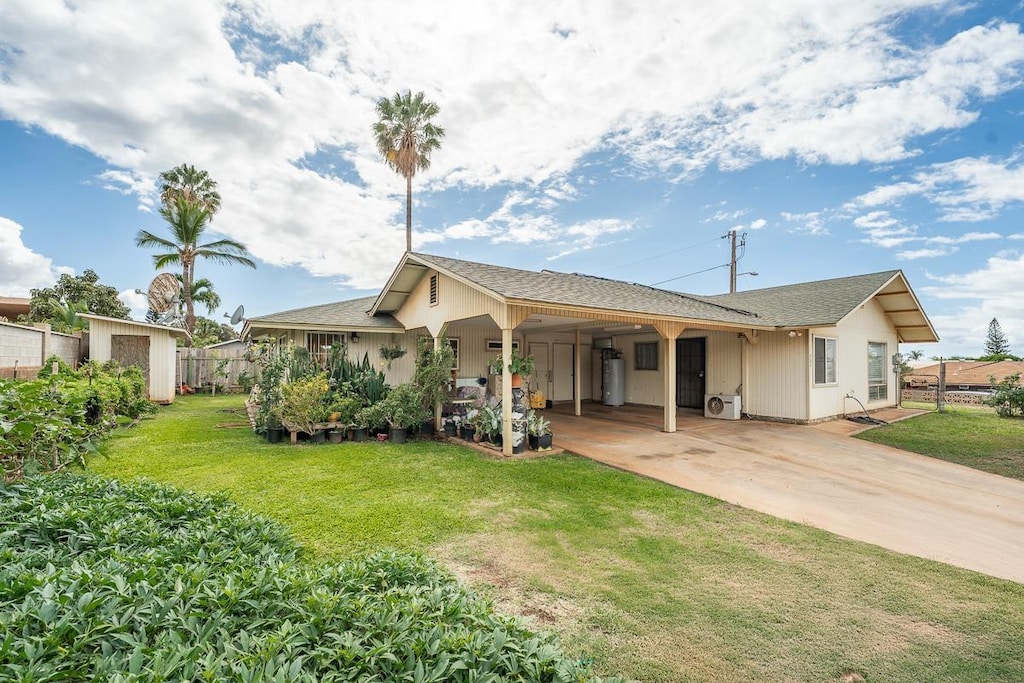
column 433, row 290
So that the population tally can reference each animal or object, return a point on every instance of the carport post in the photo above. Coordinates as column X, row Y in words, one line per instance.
column 506, row 391
column 576, row 381
column 669, row 332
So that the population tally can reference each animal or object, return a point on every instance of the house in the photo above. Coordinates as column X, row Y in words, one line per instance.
column 151, row 347
column 965, row 375
column 797, row 353
column 13, row 306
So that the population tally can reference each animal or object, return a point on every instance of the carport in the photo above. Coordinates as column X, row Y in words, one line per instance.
column 813, row 475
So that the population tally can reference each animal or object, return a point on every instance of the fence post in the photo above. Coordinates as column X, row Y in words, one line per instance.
column 940, row 394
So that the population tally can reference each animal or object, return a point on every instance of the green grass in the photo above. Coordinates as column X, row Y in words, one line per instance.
column 965, row 435
column 649, row 581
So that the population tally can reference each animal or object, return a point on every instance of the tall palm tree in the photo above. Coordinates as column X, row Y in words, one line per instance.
column 405, row 137
column 188, row 221
column 202, row 293
column 191, row 184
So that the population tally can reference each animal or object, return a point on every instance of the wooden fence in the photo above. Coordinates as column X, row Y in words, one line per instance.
column 201, row 369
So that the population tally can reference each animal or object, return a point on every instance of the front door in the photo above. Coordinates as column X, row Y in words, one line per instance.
column 561, row 389
column 541, row 378
column 690, row 372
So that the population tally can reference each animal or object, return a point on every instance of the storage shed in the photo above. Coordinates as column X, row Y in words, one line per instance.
column 151, row 347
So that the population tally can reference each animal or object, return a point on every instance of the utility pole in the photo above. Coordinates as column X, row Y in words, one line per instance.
column 733, row 259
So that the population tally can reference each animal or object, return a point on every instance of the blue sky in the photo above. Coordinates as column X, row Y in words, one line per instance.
column 600, row 137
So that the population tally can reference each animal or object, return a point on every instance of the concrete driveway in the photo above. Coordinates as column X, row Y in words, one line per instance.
column 901, row 501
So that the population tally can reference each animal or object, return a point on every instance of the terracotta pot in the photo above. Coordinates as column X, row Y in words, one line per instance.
column 517, row 381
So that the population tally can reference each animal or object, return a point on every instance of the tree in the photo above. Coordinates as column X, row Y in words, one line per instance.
column 202, row 292
column 211, row 332
column 191, row 184
column 995, row 341
column 405, row 137
column 188, row 221
column 74, row 294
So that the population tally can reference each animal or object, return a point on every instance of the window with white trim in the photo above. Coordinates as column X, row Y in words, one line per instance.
column 878, row 378
column 825, row 360
column 646, row 355
column 319, row 344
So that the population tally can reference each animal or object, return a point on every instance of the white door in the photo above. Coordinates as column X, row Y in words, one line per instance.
column 541, row 379
column 561, row 389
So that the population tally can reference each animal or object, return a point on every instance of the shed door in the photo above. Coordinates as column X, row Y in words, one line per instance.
column 690, row 372
column 131, row 349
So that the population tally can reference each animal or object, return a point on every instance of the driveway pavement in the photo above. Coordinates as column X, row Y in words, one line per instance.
column 902, row 501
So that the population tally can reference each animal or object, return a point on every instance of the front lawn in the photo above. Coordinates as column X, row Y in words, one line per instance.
column 649, row 581
column 968, row 436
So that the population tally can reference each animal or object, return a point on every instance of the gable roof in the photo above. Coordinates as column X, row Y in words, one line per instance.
column 339, row 315
column 173, row 331
column 828, row 302
column 560, row 289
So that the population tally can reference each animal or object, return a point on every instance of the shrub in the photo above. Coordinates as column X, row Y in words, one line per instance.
column 140, row 582
column 1008, row 398
column 304, row 403
column 63, row 369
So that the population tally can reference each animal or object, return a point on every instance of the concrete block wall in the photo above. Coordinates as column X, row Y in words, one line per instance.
column 23, row 349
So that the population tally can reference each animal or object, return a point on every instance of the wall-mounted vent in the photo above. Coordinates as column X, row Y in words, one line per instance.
column 433, row 290
column 495, row 345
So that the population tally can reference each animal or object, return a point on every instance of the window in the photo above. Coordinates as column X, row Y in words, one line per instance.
column 825, row 360
column 495, row 345
column 454, row 343
column 433, row 289
column 878, row 378
column 646, row 355
column 319, row 344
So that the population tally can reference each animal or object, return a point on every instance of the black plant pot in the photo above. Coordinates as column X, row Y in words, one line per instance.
column 359, row 434
column 275, row 435
column 539, row 442
column 450, row 428
column 318, row 436
column 336, row 436
column 467, row 433
column 397, row 435
column 427, row 429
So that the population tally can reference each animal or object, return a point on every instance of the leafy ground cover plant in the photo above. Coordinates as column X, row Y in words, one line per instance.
column 139, row 582
column 50, row 423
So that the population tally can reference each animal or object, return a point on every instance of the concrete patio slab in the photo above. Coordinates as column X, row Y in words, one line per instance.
column 898, row 500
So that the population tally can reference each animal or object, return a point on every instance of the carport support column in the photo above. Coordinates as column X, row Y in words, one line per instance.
column 669, row 332
column 438, row 335
column 506, row 391
column 577, row 382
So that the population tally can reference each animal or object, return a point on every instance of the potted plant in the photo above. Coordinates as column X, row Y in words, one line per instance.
column 540, row 430
column 489, row 419
column 368, row 418
column 303, row 404
column 468, row 429
column 451, row 425
column 433, row 374
column 402, row 410
column 519, row 366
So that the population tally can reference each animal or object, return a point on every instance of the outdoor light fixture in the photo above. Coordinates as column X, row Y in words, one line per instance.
column 793, row 334
column 355, row 337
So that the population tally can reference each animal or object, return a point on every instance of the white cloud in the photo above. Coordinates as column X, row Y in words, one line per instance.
column 992, row 291
column 969, row 189
column 914, row 254
column 758, row 224
column 811, row 222
column 22, row 269
column 253, row 90
column 136, row 302
column 964, row 238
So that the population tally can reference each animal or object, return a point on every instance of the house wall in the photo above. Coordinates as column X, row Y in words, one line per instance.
column 162, row 356
column 776, row 376
column 866, row 324
column 586, row 361
column 455, row 301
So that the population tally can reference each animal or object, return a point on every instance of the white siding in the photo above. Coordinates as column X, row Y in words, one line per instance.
column 455, row 301
column 162, row 348
column 776, row 379
column 867, row 324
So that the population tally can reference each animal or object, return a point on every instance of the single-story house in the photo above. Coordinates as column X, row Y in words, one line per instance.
column 797, row 353
column 965, row 375
column 151, row 347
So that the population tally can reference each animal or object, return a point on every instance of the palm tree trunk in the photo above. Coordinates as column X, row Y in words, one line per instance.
column 408, row 213
column 190, row 309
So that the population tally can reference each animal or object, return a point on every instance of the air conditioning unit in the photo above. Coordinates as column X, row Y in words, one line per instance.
column 722, row 406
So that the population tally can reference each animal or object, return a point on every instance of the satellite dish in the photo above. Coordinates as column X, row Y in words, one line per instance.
column 237, row 316
column 163, row 293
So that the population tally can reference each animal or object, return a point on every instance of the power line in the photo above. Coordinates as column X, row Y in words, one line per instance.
column 664, row 253
column 680, row 277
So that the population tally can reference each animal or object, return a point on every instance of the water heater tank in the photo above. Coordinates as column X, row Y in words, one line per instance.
column 614, row 382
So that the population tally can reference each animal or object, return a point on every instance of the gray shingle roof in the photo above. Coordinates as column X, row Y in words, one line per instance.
column 807, row 304
column 340, row 314
column 573, row 289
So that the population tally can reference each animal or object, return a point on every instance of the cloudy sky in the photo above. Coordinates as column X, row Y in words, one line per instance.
column 612, row 138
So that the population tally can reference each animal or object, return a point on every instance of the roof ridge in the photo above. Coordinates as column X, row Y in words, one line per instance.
column 811, row 282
